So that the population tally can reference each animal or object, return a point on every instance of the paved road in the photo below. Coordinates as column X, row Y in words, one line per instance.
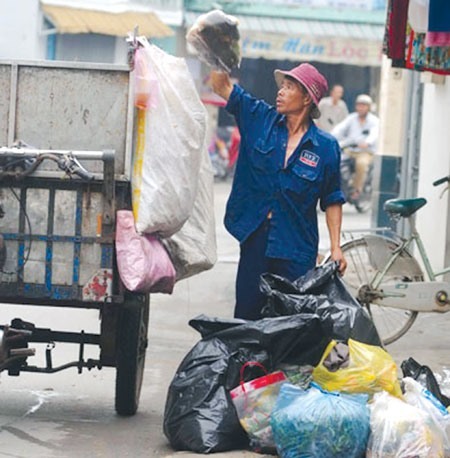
column 71, row 415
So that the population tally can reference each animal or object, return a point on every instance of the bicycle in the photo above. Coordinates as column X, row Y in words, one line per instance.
column 388, row 280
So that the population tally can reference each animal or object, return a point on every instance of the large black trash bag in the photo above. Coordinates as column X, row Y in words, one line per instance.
column 199, row 414
column 321, row 291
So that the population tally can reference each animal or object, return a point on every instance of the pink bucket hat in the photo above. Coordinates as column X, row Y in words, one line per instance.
column 310, row 78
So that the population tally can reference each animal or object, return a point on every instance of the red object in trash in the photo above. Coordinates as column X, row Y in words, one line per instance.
column 257, row 383
column 254, row 401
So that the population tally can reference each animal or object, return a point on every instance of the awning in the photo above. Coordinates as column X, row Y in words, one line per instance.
column 352, row 43
column 305, row 27
column 77, row 20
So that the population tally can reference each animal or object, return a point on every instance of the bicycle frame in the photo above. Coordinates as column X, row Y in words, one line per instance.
column 420, row 296
column 413, row 238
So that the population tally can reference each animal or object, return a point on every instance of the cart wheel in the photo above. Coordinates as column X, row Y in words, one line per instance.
column 132, row 344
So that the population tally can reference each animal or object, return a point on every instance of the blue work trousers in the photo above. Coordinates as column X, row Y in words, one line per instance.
column 252, row 263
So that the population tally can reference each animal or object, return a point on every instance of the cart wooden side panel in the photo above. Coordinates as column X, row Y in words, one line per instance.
column 68, row 106
column 58, row 231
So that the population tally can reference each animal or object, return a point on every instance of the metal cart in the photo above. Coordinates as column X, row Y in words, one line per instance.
column 66, row 138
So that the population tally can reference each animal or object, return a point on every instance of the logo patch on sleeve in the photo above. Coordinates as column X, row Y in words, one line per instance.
column 309, row 158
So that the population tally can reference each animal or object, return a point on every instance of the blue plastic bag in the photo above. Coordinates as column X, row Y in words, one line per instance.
column 318, row 423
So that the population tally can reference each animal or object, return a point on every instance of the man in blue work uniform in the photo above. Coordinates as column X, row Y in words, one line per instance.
column 286, row 166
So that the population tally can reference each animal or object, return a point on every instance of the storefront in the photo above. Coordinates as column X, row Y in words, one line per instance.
column 417, row 74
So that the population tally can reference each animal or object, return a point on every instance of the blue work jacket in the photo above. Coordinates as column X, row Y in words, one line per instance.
column 263, row 185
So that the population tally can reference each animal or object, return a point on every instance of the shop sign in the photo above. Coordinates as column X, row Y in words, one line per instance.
column 306, row 48
column 351, row 4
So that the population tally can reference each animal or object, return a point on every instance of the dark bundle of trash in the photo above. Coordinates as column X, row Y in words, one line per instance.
column 215, row 38
column 424, row 375
column 302, row 317
column 199, row 415
column 320, row 291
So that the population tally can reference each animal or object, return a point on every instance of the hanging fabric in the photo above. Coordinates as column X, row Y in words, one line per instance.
column 421, row 58
column 396, row 32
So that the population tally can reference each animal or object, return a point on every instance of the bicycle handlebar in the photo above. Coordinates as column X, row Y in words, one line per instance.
column 441, row 180
column 72, row 166
column 26, row 161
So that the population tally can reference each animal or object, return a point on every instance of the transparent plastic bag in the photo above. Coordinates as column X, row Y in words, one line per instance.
column 400, row 430
column 145, row 83
column 418, row 396
column 317, row 423
column 215, row 39
column 254, row 401
column 370, row 369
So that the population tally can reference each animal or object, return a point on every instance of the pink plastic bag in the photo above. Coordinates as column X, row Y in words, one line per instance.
column 143, row 262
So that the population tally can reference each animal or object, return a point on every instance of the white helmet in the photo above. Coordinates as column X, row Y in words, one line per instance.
column 364, row 98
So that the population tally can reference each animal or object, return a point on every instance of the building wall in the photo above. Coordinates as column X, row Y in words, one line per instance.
column 22, row 37
column 387, row 161
column 20, row 30
column 85, row 48
column 391, row 109
column 433, row 220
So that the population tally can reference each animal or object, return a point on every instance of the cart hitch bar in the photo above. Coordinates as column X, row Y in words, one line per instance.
column 20, row 333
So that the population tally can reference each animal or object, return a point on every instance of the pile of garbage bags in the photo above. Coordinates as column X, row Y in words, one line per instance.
column 304, row 382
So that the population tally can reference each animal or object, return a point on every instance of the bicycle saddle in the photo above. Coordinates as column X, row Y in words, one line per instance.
column 404, row 207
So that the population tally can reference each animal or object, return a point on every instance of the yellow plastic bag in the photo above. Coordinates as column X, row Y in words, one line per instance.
column 370, row 369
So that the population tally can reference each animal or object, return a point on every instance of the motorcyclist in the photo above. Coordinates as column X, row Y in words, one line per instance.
column 357, row 135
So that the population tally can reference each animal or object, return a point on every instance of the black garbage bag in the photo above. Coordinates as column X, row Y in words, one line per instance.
column 199, row 413
column 215, row 38
column 321, row 291
column 424, row 375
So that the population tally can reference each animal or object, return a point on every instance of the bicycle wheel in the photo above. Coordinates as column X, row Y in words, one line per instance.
column 365, row 257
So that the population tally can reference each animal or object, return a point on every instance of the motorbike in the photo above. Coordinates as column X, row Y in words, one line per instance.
column 223, row 152
column 364, row 201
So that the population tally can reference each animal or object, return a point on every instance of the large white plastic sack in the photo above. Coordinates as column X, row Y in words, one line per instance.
column 193, row 249
column 170, row 141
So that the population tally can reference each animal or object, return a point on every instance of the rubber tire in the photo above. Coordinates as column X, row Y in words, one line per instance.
column 364, row 203
column 356, row 270
column 132, row 344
